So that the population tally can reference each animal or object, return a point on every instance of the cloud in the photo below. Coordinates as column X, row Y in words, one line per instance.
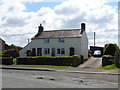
column 13, row 22
column 18, row 25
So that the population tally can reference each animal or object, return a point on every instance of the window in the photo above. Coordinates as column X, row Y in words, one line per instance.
column 60, row 51
column 72, row 51
column 39, row 51
column 47, row 51
column 46, row 40
column 61, row 40
column 33, row 53
column 28, row 52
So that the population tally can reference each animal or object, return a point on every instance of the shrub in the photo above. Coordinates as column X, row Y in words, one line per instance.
column 107, row 60
column 11, row 53
column 50, row 60
column 110, row 49
column 7, row 60
column 77, row 60
column 44, row 60
column 111, row 55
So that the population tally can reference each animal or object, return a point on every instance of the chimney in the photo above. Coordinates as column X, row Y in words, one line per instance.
column 82, row 27
column 40, row 28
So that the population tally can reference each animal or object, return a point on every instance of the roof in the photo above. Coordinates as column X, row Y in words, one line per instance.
column 58, row 34
column 2, row 39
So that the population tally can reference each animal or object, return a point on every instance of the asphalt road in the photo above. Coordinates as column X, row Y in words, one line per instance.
column 49, row 79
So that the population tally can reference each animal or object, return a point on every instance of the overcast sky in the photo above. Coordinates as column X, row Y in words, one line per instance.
column 19, row 19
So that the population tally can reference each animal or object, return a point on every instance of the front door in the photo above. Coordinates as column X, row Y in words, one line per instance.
column 72, row 51
column 39, row 51
column 28, row 52
column 53, row 51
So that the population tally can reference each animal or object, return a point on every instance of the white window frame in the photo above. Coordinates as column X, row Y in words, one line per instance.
column 46, row 51
column 61, row 51
column 61, row 40
column 47, row 40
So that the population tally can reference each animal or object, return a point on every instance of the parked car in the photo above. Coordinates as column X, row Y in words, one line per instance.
column 97, row 53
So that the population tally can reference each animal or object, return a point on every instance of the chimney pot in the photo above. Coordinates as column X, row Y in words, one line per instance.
column 40, row 28
column 82, row 27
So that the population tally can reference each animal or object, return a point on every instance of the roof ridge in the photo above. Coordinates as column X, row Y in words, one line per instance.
column 62, row 30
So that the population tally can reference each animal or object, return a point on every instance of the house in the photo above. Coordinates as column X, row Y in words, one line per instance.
column 57, row 43
column 2, row 45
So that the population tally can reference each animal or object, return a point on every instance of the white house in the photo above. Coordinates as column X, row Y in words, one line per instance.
column 58, row 43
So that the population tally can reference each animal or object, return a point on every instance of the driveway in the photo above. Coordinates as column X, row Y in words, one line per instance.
column 92, row 63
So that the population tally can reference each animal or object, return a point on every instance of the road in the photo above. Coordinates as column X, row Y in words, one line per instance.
column 92, row 63
column 51, row 79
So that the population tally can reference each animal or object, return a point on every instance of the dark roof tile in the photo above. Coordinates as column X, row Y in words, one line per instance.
column 58, row 34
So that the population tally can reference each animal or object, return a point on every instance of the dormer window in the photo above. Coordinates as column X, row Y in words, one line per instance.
column 61, row 40
column 46, row 40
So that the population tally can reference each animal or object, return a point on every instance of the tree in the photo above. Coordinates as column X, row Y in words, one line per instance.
column 110, row 49
column 11, row 53
column 12, row 46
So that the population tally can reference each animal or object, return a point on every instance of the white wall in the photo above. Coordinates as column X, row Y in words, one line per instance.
column 80, row 45
column 84, row 45
column 54, row 43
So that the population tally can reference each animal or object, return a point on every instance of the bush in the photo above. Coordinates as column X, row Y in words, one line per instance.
column 111, row 56
column 77, row 60
column 107, row 60
column 44, row 60
column 6, row 60
column 11, row 53
column 110, row 49
column 49, row 60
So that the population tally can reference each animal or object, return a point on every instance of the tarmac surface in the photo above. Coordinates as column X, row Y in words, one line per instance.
column 69, row 70
column 12, row 78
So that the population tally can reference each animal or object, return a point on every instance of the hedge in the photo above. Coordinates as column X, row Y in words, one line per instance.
column 109, row 55
column 6, row 60
column 107, row 60
column 50, row 60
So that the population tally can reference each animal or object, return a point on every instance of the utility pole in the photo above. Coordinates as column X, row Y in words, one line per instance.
column 28, row 40
column 94, row 39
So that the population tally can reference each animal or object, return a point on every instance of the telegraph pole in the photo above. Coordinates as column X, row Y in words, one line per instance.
column 28, row 40
column 94, row 39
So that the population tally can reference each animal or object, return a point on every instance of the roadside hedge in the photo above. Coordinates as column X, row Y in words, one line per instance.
column 50, row 60
column 107, row 60
column 6, row 60
column 111, row 55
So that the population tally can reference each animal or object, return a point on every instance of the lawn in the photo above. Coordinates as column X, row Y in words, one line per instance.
column 40, row 66
column 108, row 67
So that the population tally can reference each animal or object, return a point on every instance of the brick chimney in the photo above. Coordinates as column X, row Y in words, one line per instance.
column 82, row 27
column 40, row 29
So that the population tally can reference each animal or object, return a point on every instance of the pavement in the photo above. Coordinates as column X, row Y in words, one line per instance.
column 68, row 70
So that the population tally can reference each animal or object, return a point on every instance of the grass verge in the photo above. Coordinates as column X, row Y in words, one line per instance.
column 108, row 67
column 40, row 66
